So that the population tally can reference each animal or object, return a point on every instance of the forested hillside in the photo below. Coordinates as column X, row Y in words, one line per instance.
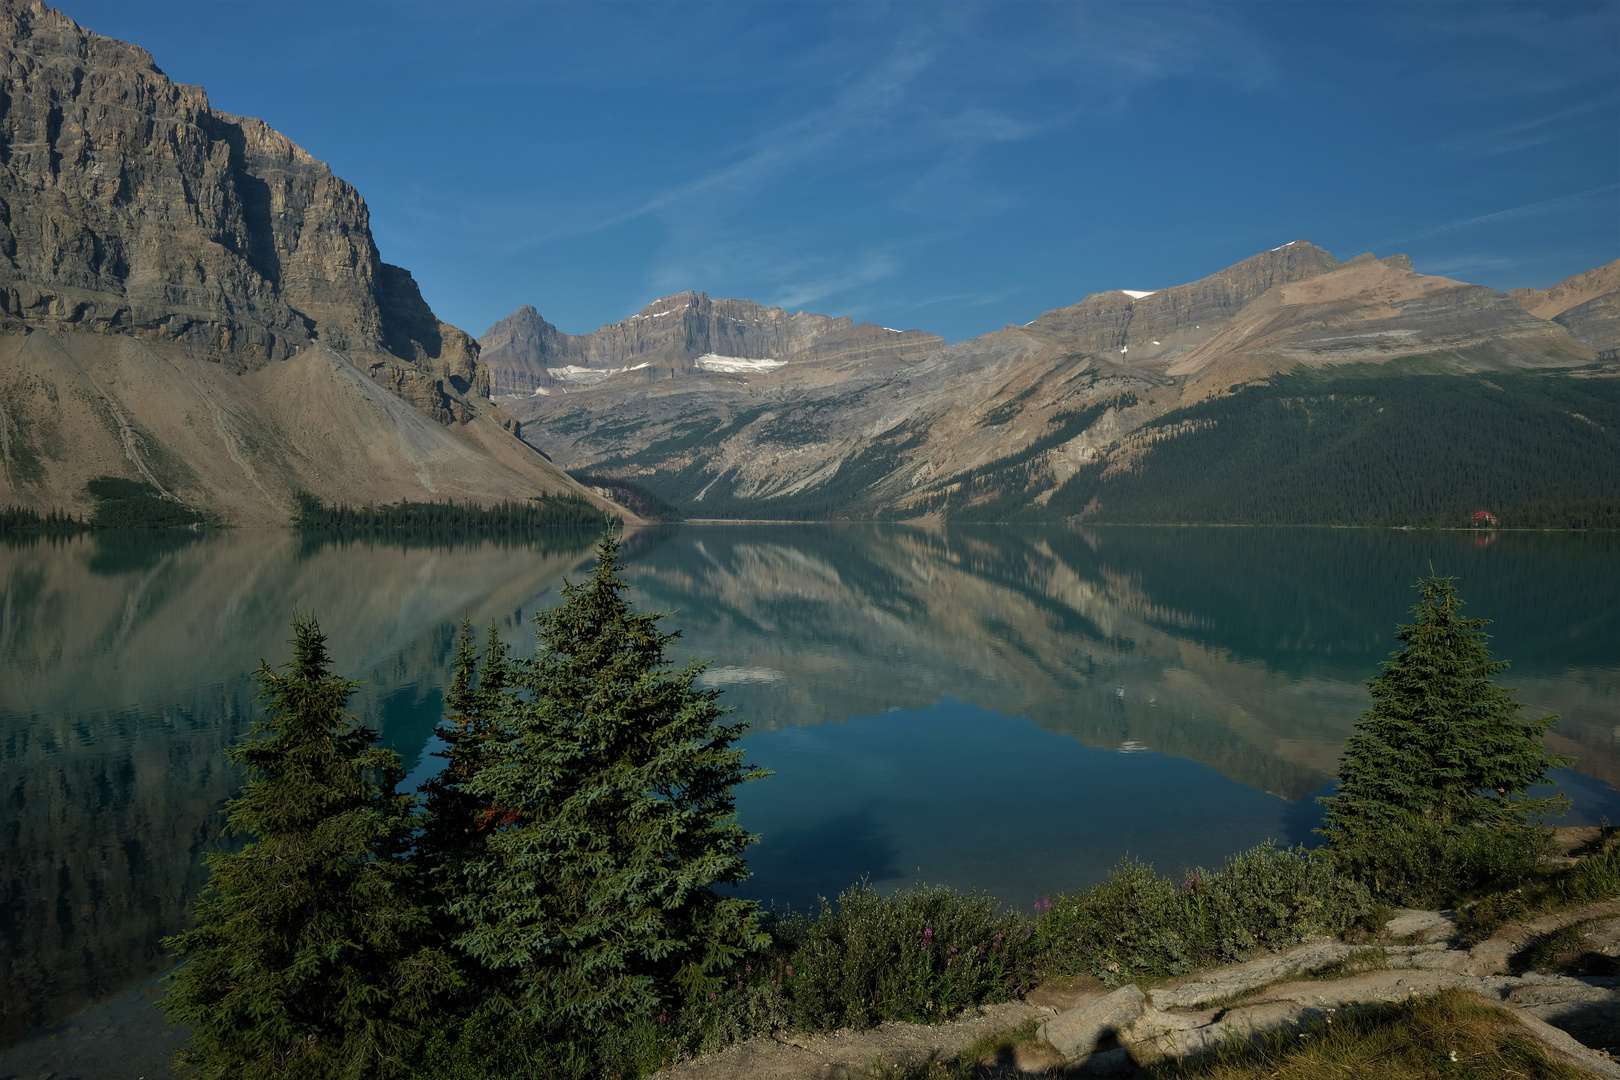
column 1538, row 450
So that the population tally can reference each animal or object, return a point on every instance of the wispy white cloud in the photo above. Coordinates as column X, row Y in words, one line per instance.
column 1466, row 264
column 1500, row 217
column 867, row 269
column 1537, row 131
column 930, row 94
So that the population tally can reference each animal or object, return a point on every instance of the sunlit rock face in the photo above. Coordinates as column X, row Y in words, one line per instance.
column 1140, row 325
column 132, row 206
column 187, row 297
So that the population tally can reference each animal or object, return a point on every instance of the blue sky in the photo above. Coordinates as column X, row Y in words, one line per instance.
column 949, row 166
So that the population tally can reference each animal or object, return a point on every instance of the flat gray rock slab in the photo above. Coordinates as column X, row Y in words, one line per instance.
column 849, row 1055
column 1074, row 1034
column 1241, row 978
column 1422, row 925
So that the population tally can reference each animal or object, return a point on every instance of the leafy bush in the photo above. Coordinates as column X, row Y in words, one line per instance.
column 1596, row 877
column 1421, row 864
column 1138, row 924
column 920, row 955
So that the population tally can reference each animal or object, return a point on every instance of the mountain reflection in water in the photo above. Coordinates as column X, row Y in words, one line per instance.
column 125, row 667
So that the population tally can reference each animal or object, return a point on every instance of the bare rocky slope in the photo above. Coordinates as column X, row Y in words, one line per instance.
column 1003, row 421
column 189, row 299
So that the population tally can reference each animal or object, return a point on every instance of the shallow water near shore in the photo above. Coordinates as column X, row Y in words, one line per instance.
column 1009, row 710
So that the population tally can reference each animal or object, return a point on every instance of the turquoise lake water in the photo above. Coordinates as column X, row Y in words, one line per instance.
column 1011, row 710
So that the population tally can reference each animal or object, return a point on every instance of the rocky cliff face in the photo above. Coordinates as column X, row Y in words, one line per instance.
column 173, row 261
column 128, row 205
column 683, row 335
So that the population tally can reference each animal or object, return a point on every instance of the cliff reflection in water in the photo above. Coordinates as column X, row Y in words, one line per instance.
column 125, row 667
column 1245, row 649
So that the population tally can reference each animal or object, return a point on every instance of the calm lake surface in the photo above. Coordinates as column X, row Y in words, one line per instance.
column 1004, row 709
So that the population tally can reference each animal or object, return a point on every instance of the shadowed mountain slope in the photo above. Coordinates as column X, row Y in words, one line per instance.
column 189, row 299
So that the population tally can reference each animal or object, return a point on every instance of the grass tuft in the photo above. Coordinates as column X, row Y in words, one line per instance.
column 1451, row 1035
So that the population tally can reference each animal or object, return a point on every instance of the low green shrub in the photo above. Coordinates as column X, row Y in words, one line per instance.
column 484, row 1046
column 1596, row 877
column 1140, row 925
column 920, row 954
column 1424, row 865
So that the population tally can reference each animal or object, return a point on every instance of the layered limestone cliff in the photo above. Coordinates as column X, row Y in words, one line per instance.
column 682, row 335
column 1143, row 325
column 185, row 294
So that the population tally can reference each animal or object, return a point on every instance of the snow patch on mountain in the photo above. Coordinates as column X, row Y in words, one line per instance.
column 736, row 365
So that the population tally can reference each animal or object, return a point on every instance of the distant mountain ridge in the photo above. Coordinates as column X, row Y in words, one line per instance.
column 672, row 337
column 1165, row 323
column 189, row 299
column 1000, row 424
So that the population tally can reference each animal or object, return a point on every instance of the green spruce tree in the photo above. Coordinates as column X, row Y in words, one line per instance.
column 608, row 823
column 454, row 822
column 1438, row 772
column 306, row 957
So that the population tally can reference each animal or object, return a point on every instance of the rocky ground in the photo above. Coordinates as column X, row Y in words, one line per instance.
column 1085, row 1028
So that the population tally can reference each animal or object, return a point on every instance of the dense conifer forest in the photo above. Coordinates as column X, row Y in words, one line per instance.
column 120, row 504
column 449, row 519
column 1536, row 450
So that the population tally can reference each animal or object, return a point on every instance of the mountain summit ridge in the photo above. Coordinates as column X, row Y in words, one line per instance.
column 527, row 354
column 1026, row 408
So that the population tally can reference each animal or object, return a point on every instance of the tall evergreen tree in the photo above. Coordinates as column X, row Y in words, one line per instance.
column 454, row 825
column 1443, row 747
column 608, row 822
column 305, row 958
